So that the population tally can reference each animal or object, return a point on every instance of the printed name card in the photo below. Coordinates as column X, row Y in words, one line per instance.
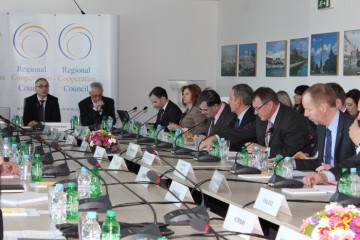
column 142, row 176
column 46, row 130
column 70, row 139
column 285, row 233
column 55, row 134
column 100, row 153
column 61, row 126
column 184, row 170
column 85, row 132
column 118, row 163
column 240, row 220
column 84, row 147
column 218, row 183
column 151, row 159
column 271, row 202
column 62, row 136
column 181, row 192
column 133, row 150
column 78, row 130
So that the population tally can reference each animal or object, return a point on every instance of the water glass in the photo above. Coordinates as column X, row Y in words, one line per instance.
column 225, row 150
column 264, row 161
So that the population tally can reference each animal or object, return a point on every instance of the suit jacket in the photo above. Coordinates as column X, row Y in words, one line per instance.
column 1, row 226
column 289, row 136
column 344, row 147
column 192, row 118
column 172, row 113
column 249, row 116
column 32, row 105
column 88, row 116
column 351, row 162
column 226, row 120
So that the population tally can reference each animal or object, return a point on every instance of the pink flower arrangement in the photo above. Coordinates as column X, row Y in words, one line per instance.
column 334, row 223
column 103, row 139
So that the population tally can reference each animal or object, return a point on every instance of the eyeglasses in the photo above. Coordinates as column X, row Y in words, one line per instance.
column 96, row 96
column 43, row 86
column 258, row 108
column 203, row 110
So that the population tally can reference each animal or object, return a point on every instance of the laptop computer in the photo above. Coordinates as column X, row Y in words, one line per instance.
column 123, row 115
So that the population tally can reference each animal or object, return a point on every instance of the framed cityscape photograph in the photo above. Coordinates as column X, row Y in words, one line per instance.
column 276, row 58
column 299, row 56
column 247, row 59
column 351, row 53
column 228, row 60
column 324, row 54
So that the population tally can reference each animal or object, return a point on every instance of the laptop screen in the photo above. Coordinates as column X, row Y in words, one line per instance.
column 123, row 115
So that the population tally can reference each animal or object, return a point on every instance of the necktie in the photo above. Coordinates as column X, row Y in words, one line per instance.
column 328, row 147
column 268, row 134
column 41, row 111
column 237, row 123
column 159, row 116
column 212, row 124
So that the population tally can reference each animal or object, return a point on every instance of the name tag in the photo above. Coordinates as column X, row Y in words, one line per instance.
column 240, row 220
column 100, row 153
column 46, row 130
column 78, row 131
column 55, row 134
column 84, row 147
column 181, row 192
column 62, row 136
column 133, row 150
column 118, row 163
column 70, row 139
column 218, row 183
column 142, row 177
column 184, row 170
column 61, row 126
column 85, row 132
column 285, row 233
column 271, row 202
column 151, row 159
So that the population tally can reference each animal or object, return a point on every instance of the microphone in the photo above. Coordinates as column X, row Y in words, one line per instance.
column 144, row 109
column 162, row 144
column 128, row 134
column 132, row 110
column 144, row 139
column 150, row 231
column 238, row 168
column 186, row 150
column 82, row 12
column 197, row 217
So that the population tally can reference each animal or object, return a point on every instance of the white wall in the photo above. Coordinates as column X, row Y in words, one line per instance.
column 159, row 40
column 261, row 21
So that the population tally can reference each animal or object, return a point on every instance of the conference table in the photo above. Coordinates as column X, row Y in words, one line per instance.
column 240, row 194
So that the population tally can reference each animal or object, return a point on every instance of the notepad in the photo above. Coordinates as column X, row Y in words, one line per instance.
column 8, row 188
column 23, row 198
column 303, row 191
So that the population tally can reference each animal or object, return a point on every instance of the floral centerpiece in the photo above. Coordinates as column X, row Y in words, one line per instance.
column 334, row 223
column 103, row 138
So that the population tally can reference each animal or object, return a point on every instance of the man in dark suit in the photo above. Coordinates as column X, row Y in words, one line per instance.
column 277, row 129
column 340, row 96
column 335, row 172
column 169, row 112
column 333, row 142
column 41, row 107
column 96, row 106
column 219, row 113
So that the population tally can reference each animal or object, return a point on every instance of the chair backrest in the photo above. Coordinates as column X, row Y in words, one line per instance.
column 5, row 112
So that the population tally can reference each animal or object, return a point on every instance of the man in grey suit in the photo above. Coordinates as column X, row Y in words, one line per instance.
column 219, row 113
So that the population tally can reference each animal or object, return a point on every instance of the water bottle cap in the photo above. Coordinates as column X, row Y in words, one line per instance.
column 14, row 145
column 278, row 157
column 256, row 148
column 110, row 213
column 109, row 117
column 23, row 145
column 343, row 170
column 142, row 122
column 37, row 155
column 6, row 139
column 83, row 169
column 59, row 186
column 222, row 139
column 26, row 156
column 91, row 215
column 159, row 126
column 287, row 158
column 353, row 170
column 71, row 184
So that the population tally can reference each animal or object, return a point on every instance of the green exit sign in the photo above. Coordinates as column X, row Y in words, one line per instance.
column 325, row 4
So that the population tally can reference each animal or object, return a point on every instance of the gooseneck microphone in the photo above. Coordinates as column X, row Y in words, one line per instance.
column 162, row 144
column 129, row 134
column 186, row 150
column 82, row 12
column 143, row 110
column 132, row 110
column 238, row 168
column 342, row 198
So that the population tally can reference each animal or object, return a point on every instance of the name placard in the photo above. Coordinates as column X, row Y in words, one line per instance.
column 184, row 170
column 55, row 134
column 70, row 139
column 218, row 183
column 142, row 177
column 118, row 163
column 133, row 150
column 100, row 153
column 286, row 233
column 46, row 130
column 78, row 130
column 61, row 126
column 84, row 147
column 271, row 202
column 62, row 136
column 151, row 159
column 85, row 132
column 180, row 191
column 240, row 220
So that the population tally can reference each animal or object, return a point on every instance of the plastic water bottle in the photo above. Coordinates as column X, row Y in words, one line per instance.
column 256, row 160
column 95, row 183
column 345, row 183
column 355, row 182
column 278, row 165
column 171, row 136
column 215, row 148
column 110, row 122
column 110, row 229
column 104, row 123
column 158, row 133
column 14, row 154
column 58, row 204
column 130, row 124
column 37, row 169
column 143, row 129
column 91, row 229
column 180, row 138
column 287, row 168
column 83, row 183
column 72, row 202
column 152, row 132
column 5, row 148
column 25, row 168
column 244, row 157
column 23, row 150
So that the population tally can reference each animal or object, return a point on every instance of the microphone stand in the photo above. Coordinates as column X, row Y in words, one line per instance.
column 132, row 110
column 162, row 144
column 129, row 134
column 342, row 198
column 277, row 181
column 144, row 139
